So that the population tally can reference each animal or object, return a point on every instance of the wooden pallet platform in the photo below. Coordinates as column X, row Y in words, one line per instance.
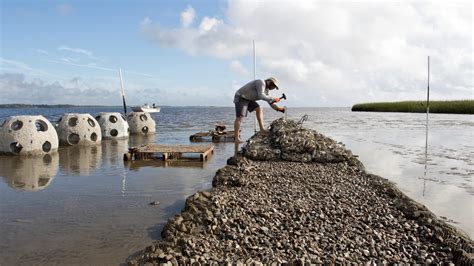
column 214, row 136
column 159, row 163
column 168, row 152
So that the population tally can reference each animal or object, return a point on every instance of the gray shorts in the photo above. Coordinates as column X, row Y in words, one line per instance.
column 243, row 106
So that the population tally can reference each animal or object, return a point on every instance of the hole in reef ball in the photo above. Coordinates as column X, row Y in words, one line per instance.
column 94, row 137
column 97, row 118
column 91, row 122
column 113, row 119
column 17, row 125
column 41, row 126
column 143, row 117
column 46, row 146
column 145, row 129
column 113, row 132
column 72, row 122
column 16, row 147
column 73, row 139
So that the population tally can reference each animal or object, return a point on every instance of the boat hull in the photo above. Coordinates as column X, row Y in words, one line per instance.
column 146, row 110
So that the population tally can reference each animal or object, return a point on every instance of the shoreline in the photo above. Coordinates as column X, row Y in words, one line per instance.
column 297, row 196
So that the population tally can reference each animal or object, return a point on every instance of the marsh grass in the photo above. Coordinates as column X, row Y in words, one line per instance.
column 444, row 107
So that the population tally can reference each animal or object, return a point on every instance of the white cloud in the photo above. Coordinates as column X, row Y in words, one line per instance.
column 77, row 51
column 22, row 83
column 340, row 53
column 16, row 88
column 15, row 66
column 187, row 16
column 208, row 24
column 41, row 51
column 237, row 67
column 146, row 21
column 212, row 37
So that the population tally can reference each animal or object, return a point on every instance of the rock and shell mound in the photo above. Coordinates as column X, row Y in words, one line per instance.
column 288, row 140
column 311, row 208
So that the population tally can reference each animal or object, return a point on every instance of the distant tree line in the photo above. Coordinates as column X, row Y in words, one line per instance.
column 443, row 107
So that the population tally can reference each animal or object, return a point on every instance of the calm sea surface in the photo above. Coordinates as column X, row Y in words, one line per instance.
column 86, row 206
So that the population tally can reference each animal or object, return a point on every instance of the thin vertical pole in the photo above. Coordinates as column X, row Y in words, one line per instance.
column 428, row 90
column 122, row 92
column 254, row 61
column 426, row 132
column 427, row 107
column 255, row 77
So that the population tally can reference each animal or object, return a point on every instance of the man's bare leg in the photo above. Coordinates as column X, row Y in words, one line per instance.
column 259, row 114
column 237, row 122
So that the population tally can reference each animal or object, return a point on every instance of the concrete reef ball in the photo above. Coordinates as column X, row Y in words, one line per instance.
column 78, row 129
column 27, row 135
column 113, row 125
column 141, row 123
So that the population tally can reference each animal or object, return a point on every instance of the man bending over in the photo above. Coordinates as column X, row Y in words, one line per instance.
column 245, row 101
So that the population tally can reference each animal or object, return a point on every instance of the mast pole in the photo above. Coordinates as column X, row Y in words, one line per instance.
column 122, row 92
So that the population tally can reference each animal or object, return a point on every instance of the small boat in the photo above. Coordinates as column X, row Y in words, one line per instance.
column 146, row 108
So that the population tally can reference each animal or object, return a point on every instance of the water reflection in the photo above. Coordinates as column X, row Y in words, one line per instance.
column 425, row 177
column 113, row 150
column 426, row 174
column 80, row 160
column 37, row 172
column 30, row 173
column 137, row 140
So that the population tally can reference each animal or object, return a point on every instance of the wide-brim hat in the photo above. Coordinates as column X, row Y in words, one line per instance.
column 274, row 81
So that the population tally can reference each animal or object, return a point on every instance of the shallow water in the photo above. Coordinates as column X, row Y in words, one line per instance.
column 86, row 206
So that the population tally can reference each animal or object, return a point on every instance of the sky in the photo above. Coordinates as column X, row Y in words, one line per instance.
column 181, row 53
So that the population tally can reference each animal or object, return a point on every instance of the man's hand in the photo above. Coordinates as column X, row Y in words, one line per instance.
column 277, row 108
column 276, row 99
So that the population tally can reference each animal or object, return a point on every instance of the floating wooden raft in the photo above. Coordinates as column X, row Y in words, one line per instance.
column 168, row 152
column 214, row 136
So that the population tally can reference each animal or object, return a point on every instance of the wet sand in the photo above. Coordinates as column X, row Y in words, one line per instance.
column 296, row 197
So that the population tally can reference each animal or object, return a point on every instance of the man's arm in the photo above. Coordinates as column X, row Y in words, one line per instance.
column 260, row 86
